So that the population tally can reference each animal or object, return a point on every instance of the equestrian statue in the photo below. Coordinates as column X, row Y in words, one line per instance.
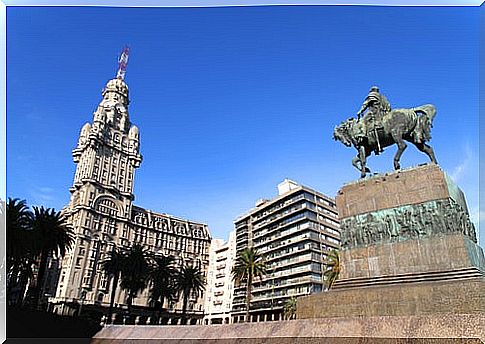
column 378, row 126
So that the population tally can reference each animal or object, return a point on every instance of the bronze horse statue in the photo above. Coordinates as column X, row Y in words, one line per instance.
column 399, row 125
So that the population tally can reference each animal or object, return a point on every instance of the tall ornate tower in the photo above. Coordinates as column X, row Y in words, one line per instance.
column 99, row 210
column 103, row 217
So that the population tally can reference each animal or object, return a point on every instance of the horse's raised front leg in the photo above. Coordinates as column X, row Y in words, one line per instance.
column 401, row 146
column 423, row 147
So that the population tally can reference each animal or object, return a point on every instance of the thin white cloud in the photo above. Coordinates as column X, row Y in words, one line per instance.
column 46, row 189
column 461, row 169
column 43, row 195
column 477, row 215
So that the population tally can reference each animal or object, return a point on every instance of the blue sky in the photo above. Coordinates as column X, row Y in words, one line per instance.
column 230, row 101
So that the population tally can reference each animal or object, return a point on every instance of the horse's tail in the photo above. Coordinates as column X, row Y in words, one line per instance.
column 425, row 115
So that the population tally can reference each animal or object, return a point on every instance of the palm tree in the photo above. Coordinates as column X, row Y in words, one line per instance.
column 19, row 221
column 113, row 266
column 135, row 271
column 162, row 277
column 19, row 245
column 249, row 265
column 333, row 268
column 53, row 239
column 189, row 280
column 24, row 273
column 289, row 308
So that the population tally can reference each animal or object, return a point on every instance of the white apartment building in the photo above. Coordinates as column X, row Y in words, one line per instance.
column 220, row 287
column 294, row 233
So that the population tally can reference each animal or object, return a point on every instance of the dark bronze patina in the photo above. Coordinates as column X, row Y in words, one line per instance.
column 380, row 127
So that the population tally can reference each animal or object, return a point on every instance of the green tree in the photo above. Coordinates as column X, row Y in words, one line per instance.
column 19, row 246
column 190, row 280
column 113, row 266
column 289, row 308
column 249, row 265
column 162, row 278
column 19, row 223
column 52, row 239
column 333, row 269
column 135, row 271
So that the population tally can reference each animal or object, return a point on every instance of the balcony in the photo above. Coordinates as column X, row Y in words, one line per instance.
column 286, row 283
column 306, row 258
column 279, row 216
column 278, row 234
column 241, row 240
column 304, row 216
column 276, row 208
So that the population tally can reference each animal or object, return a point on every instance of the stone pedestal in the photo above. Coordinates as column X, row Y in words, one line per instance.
column 409, row 204
column 408, row 249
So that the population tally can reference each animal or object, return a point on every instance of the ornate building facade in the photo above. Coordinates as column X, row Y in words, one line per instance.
column 102, row 215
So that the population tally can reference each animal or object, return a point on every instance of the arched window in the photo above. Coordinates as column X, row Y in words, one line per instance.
column 107, row 206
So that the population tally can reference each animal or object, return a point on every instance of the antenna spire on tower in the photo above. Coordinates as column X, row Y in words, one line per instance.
column 122, row 62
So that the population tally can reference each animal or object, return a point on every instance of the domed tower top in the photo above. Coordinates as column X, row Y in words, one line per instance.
column 117, row 85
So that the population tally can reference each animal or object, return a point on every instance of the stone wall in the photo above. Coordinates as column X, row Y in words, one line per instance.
column 442, row 253
column 441, row 329
column 466, row 296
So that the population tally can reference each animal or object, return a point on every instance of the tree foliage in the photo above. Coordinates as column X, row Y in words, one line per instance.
column 162, row 276
column 249, row 265
column 52, row 239
column 135, row 272
column 332, row 272
column 289, row 309
column 32, row 238
column 190, row 281
column 113, row 266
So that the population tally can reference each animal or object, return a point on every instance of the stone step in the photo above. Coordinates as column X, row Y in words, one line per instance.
column 409, row 278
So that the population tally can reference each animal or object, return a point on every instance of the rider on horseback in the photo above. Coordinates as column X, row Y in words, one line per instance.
column 377, row 106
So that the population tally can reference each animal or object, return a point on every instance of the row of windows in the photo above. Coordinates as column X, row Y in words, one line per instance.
column 108, row 168
column 280, row 233
column 282, row 214
column 274, row 283
column 280, row 205
column 299, row 290
column 312, row 256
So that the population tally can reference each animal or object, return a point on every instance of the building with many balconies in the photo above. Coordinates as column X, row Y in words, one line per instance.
column 220, row 286
column 294, row 232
